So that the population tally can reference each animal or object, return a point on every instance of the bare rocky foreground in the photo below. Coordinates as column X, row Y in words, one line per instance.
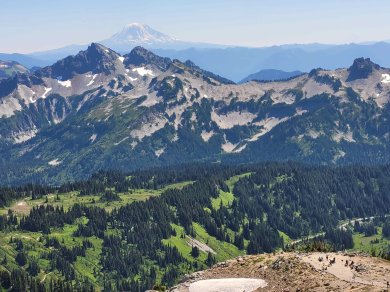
column 292, row 272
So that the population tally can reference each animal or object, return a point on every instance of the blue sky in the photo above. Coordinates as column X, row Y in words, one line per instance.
column 34, row 25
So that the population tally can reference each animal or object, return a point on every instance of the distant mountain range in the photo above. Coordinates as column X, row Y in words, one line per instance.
column 11, row 68
column 235, row 63
column 130, row 36
column 100, row 109
column 271, row 75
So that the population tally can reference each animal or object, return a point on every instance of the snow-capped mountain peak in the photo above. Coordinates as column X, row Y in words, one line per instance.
column 139, row 33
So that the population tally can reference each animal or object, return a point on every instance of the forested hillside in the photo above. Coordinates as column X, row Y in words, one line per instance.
column 146, row 229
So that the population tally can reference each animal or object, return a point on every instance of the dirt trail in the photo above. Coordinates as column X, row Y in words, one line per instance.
column 350, row 268
column 340, row 226
column 202, row 246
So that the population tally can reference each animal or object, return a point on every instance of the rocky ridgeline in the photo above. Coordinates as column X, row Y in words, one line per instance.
column 301, row 272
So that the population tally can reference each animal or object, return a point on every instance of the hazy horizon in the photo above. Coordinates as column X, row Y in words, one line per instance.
column 33, row 25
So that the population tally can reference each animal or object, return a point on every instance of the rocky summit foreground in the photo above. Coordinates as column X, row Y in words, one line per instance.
column 295, row 272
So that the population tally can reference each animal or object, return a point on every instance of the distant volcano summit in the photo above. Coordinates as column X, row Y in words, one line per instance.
column 138, row 34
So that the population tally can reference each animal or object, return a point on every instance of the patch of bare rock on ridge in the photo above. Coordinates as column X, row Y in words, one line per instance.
column 293, row 272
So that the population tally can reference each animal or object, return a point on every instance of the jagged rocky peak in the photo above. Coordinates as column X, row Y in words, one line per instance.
column 7, row 86
column 140, row 56
column 96, row 59
column 96, row 50
column 361, row 68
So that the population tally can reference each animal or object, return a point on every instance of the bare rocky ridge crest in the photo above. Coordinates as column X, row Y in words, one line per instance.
column 143, row 98
column 301, row 272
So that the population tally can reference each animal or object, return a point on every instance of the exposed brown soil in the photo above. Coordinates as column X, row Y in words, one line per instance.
column 21, row 207
column 302, row 272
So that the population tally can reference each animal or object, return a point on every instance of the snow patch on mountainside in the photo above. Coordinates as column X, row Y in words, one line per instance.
column 54, row 162
column 228, row 285
column 159, row 152
column 385, row 78
column 232, row 119
column 131, row 78
column 92, row 80
column 93, row 138
column 47, row 90
column 143, row 71
column 66, row 83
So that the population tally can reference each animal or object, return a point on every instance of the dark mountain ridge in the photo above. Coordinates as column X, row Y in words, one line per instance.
column 100, row 110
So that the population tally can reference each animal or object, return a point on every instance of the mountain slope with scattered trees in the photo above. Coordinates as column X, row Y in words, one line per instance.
column 143, row 242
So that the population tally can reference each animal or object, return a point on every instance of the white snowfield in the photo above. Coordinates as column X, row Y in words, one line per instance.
column 131, row 78
column 92, row 80
column 138, row 33
column 143, row 71
column 227, row 285
column 93, row 138
column 54, row 162
column 67, row 83
column 47, row 90
column 385, row 78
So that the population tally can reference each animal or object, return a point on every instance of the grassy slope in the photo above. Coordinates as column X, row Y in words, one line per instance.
column 89, row 266
column 223, row 250
column 367, row 244
column 69, row 199
column 226, row 198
